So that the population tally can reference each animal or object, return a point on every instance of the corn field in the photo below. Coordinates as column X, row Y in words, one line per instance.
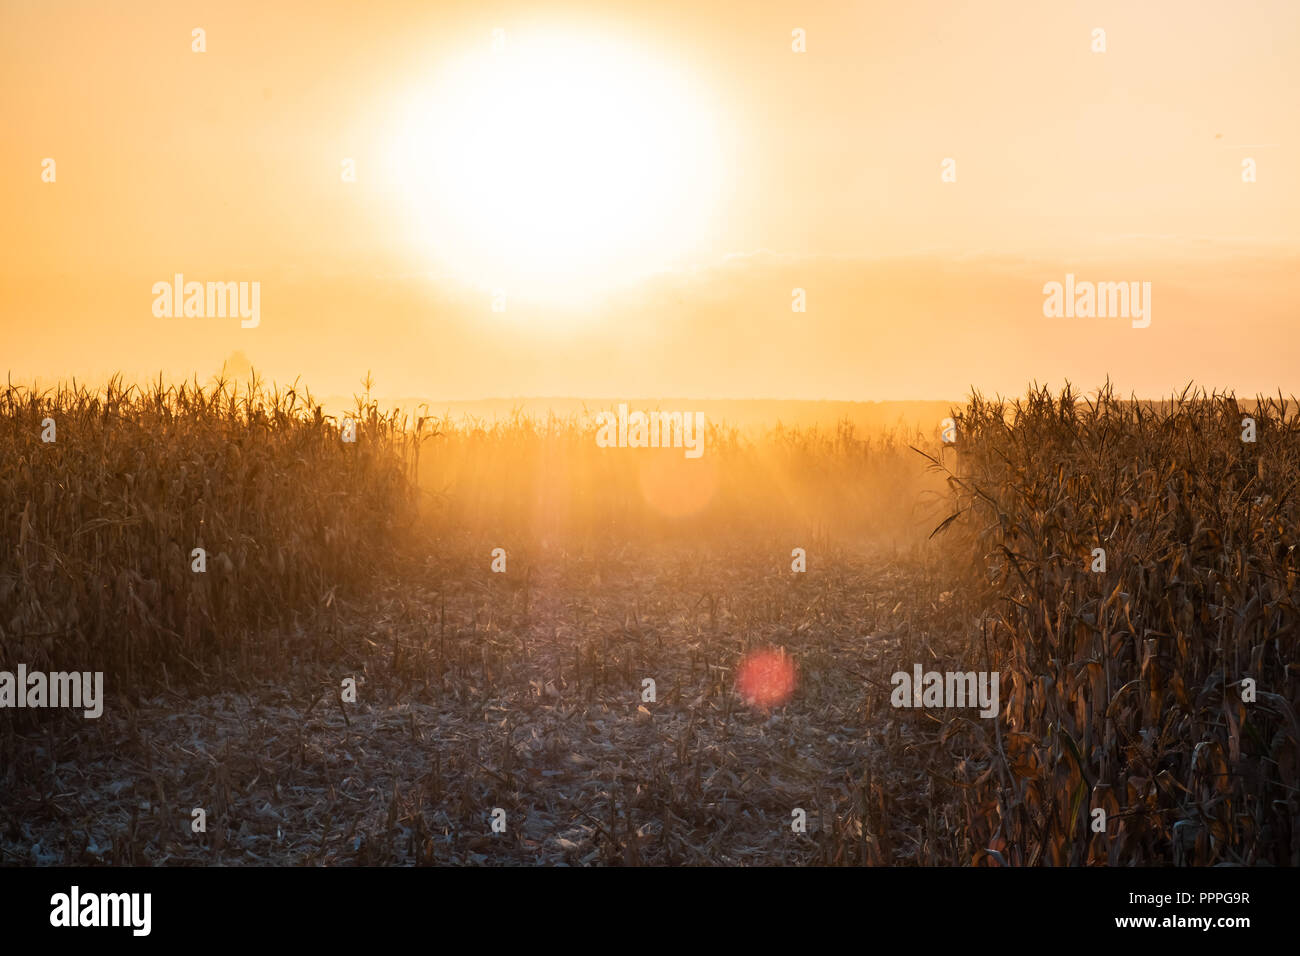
column 100, row 523
column 1127, row 568
column 1163, row 688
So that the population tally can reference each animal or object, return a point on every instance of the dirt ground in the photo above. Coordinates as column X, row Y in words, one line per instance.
column 479, row 693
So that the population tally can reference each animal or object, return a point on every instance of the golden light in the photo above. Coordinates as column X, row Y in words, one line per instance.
column 558, row 166
column 677, row 487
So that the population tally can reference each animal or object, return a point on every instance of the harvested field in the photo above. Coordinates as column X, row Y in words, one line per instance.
column 498, row 597
column 474, row 697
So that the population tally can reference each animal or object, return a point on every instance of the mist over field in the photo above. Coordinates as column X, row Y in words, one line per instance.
column 655, row 434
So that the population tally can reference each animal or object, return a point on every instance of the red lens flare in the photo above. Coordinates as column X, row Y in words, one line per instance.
column 766, row 678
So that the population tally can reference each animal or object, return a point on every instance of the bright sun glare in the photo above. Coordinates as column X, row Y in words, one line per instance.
column 558, row 166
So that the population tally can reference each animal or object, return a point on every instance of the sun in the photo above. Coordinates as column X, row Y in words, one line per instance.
column 558, row 166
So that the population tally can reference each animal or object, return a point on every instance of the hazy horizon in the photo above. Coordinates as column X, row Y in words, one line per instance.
column 646, row 188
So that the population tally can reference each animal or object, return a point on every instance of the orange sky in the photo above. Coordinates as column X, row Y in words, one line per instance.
column 822, row 172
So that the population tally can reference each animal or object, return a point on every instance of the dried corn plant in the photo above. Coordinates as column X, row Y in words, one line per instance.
column 100, row 524
column 1160, row 689
column 1129, row 689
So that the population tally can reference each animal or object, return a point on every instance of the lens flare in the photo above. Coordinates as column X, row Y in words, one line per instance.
column 766, row 678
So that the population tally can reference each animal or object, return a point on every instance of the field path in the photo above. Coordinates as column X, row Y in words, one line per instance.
column 486, row 693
